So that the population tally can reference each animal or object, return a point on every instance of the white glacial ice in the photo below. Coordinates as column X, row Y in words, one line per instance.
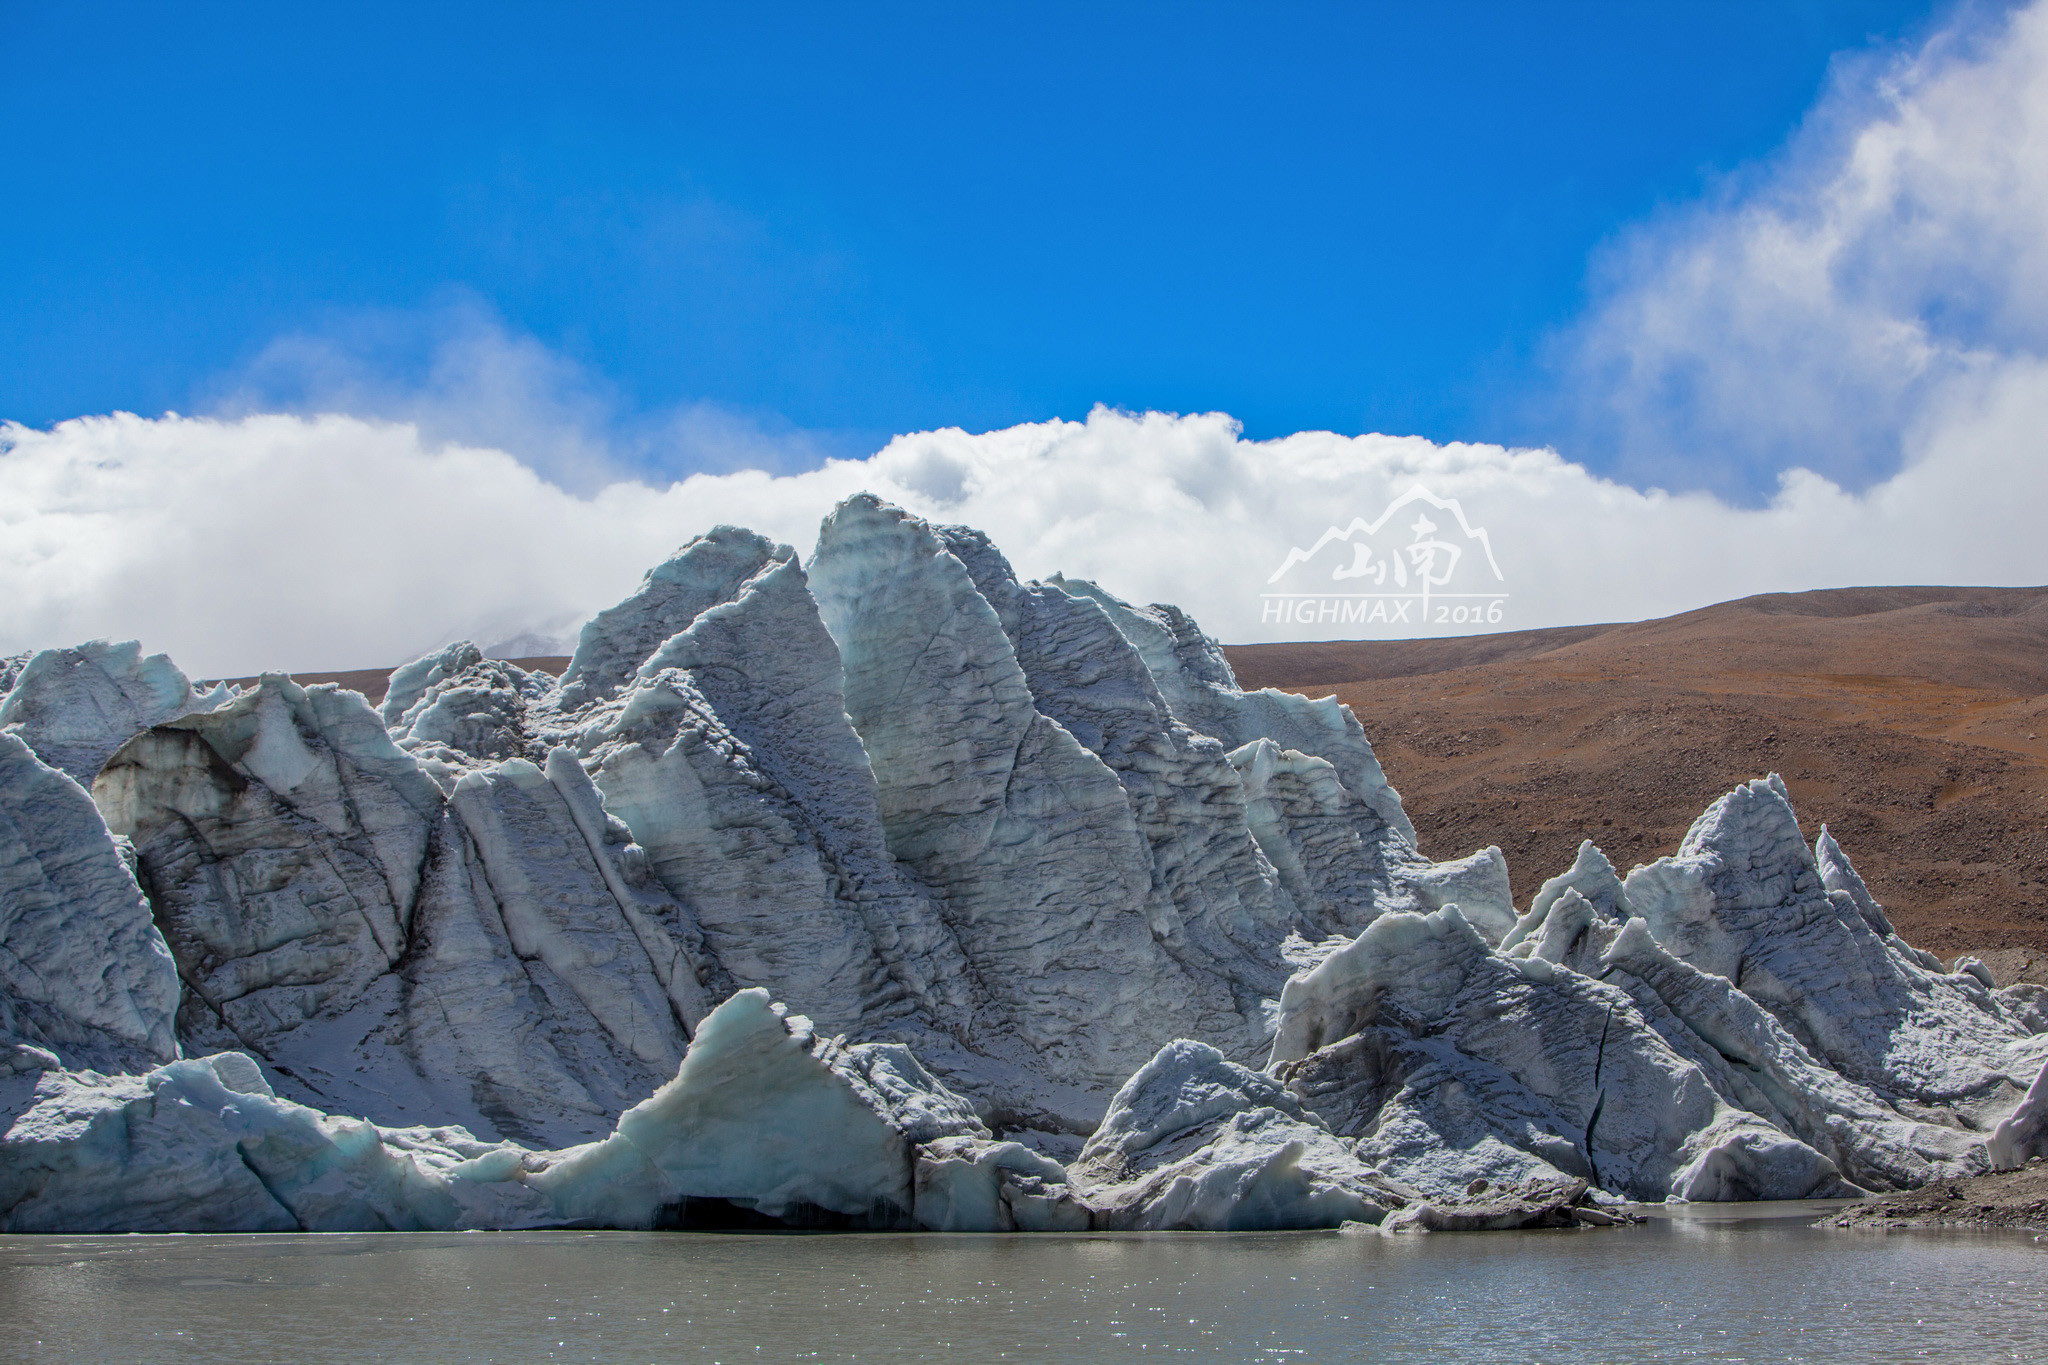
column 1447, row 1062
column 1745, row 899
column 74, row 707
column 1073, row 932
column 763, row 1123
column 82, row 966
column 1194, row 1142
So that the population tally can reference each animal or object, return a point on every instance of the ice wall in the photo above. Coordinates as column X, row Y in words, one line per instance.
column 1080, row 934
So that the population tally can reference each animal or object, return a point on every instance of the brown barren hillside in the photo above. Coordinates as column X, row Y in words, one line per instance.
column 1910, row 720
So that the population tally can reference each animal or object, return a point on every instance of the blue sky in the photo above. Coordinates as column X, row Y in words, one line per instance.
column 835, row 223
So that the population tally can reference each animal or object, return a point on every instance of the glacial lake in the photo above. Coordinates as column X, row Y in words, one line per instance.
column 1747, row 1284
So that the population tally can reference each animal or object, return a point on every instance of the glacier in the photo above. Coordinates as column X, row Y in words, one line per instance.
column 881, row 888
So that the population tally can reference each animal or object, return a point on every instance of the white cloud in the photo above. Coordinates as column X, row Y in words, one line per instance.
column 1876, row 307
column 1832, row 307
column 277, row 541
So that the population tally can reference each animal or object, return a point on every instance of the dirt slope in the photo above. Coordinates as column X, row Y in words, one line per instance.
column 1909, row 719
column 2004, row 1199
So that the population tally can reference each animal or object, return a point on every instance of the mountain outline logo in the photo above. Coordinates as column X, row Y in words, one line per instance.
column 1399, row 571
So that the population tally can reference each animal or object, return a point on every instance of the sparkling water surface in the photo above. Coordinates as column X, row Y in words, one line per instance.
column 1723, row 1284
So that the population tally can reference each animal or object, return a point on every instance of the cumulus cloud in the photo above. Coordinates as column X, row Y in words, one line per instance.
column 1832, row 308
column 287, row 542
column 1867, row 322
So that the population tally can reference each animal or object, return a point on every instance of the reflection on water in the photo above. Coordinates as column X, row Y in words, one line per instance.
column 1727, row 1286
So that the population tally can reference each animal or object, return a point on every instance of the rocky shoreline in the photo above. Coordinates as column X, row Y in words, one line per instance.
column 2015, row 1199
